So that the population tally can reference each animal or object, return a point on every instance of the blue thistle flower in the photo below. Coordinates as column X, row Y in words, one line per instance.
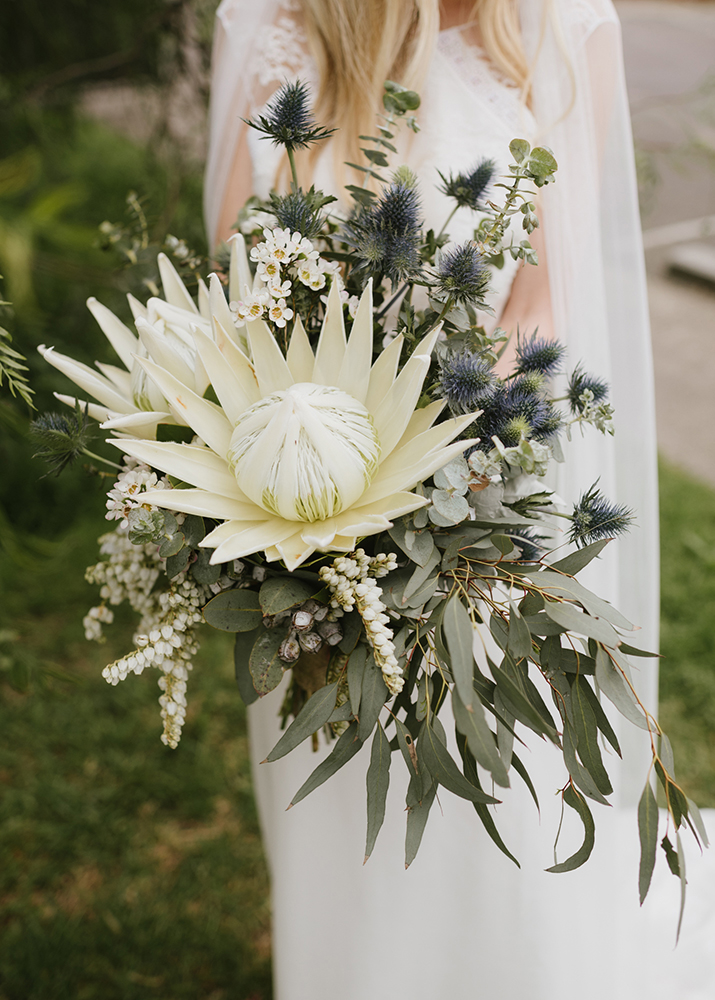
column 530, row 543
column 539, row 355
column 299, row 211
column 466, row 381
column 516, row 409
column 468, row 188
column 61, row 438
column 594, row 517
column 386, row 235
column 289, row 120
column 579, row 383
column 463, row 273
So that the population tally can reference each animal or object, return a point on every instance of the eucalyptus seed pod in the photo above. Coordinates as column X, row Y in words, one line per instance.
column 289, row 650
column 331, row 632
column 302, row 620
column 310, row 642
column 315, row 608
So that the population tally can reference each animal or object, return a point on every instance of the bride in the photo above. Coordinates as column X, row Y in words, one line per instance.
column 464, row 922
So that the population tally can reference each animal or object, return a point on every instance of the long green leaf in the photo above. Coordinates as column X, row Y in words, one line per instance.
column 648, row 833
column 587, row 733
column 554, row 583
column 470, row 770
column 241, row 655
column 312, row 716
column 372, row 698
column 356, row 670
column 519, row 640
column 526, row 778
column 601, row 718
column 444, row 770
column 570, row 618
column 417, row 815
column 343, row 751
column 378, row 782
column 683, row 884
column 480, row 738
column 576, row 769
column 234, row 611
column 612, row 684
column 578, row 560
column 580, row 857
column 459, row 636
column 520, row 705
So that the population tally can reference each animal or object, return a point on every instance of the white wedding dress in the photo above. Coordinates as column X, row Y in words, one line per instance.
column 463, row 922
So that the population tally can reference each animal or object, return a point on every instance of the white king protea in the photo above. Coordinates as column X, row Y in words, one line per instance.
column 307, row 452
column 127, row 400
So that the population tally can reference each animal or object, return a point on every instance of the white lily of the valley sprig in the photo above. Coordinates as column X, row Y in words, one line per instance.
column 126, row 400
column 307, row 452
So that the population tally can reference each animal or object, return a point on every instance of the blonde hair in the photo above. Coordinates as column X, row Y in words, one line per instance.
column 358, row 44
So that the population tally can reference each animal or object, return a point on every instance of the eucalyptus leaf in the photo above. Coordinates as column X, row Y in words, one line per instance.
column 178, row 563
column 444, row 770
column 612, row 683
column 480, row 738
column 378, row 782
column 572, row 798
column 417, row 816
column 459, row 637
column 279, row 593
column 648, row 833
column 577, row 771
column 520, row 706
column 264, row 663
column 696, row 822
column 193, row 529
column 351, row 625
column 601, row 718
column 579, row 559
column 519, row 637
column 202, row 570
column 565, row 586
column 312, row 717
column 570, row 618
column 241, row 655
column 356, row 670
column 407, row 748
column 421, row 575
column 234, row 611
column 344, row 750
column 373, row 697
column 172, row 545
column 519, row 149
column 587, row 733
column 470, row 770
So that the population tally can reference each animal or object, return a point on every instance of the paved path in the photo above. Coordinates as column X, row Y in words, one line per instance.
column 670, row 54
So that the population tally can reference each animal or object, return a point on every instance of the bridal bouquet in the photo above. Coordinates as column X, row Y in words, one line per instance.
column 320, row 458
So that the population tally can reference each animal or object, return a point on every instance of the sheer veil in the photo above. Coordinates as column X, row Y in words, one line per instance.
column 596, row 269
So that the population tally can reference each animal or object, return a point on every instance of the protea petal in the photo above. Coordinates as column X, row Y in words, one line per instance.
column 239, row 363
column 354, row 374
column 208, row 420
column 271, row 366
column 219, row 306
column 393, row 414
column 203, row 503
column 88, row 379
column 300, row 357
column 421, row 420
column 394, row 505
column 119, row 336
column 293, row 550
column 331, row 345
column 117, row 376
column 223, row 378
column 143, row 423
column 186, row 462
column 239, row 275
column 204, row 301
column 382, row 373
column 159, row 349
column 99, row 413
column 139, row 311
column 174, row 288
column 252, row 538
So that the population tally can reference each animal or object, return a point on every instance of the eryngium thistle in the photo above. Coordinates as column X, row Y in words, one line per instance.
column 289, row 120
column 594, row 517
column 386, row 235
column 539, row 355
column 462, row 273
column 466, row 381
column 530, row 543
column 299, row 211
column 469, row 188
column 61, row 437
column 581, row 382
column 513, row 410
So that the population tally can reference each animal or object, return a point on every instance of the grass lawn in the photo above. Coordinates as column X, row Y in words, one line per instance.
column 132, row 872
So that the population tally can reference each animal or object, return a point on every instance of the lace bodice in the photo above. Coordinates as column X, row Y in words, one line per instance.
column 469, row 112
